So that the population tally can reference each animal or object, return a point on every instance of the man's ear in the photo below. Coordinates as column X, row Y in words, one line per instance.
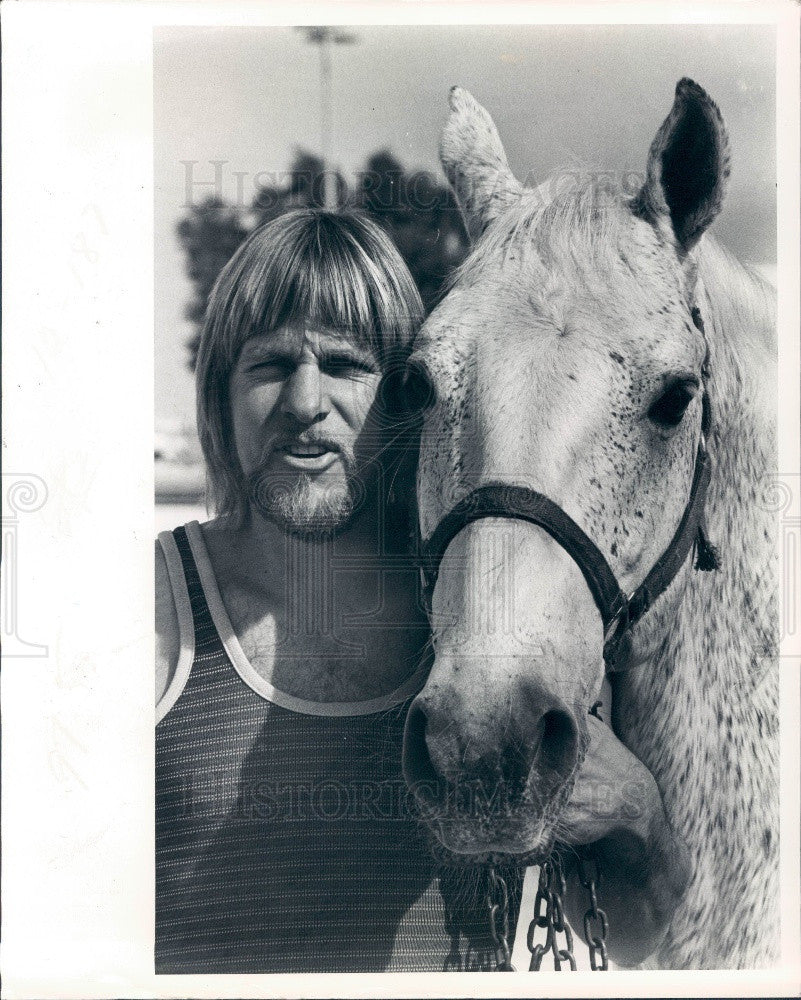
column 475, row 163
column 688, row 167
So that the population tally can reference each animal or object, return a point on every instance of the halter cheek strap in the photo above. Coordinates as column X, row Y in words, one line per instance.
column 619, row 611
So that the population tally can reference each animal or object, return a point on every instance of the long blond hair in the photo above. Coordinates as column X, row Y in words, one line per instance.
column 335, row 270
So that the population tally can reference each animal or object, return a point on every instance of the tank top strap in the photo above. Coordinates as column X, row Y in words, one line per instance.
column 206, row 634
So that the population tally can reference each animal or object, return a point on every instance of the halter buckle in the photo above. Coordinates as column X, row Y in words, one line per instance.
column 615, row 625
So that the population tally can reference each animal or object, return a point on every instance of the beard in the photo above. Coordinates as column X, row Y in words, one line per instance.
column 299, row 505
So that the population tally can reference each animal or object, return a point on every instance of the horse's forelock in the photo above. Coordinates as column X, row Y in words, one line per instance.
column 584, row 218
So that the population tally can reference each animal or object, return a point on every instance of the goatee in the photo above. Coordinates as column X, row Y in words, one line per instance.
column 298, row 505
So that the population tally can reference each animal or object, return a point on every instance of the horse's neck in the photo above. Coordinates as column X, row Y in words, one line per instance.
column 703, row 714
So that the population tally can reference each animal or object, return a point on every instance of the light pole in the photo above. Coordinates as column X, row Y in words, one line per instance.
column 325, row 36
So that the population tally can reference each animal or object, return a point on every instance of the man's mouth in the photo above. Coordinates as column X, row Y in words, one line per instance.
column 312, row 457
column 304, row 450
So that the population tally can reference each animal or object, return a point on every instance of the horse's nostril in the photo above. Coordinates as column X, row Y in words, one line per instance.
column 545, row 756
column 557, row 752
column 533, row 757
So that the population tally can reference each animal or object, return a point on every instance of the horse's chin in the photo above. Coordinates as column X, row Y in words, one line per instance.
column 503, row 828
column 459, row 845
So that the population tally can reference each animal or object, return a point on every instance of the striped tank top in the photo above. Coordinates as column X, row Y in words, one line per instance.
column 285, row 837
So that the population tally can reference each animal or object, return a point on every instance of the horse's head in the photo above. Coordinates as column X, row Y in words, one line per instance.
column 565, row 360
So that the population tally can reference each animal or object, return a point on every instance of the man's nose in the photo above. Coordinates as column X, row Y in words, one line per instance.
column 302, row 396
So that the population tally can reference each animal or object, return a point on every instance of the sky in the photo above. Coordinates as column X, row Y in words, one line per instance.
column 560, row 96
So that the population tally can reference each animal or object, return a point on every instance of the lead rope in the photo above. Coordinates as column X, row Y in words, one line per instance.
column 590, row 877
column 498, row 906
column 549, row 916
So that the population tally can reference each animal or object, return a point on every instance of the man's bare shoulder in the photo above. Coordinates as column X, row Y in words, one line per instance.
column 168, row 637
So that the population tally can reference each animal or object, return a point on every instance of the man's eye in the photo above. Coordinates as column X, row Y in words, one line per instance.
column 671, row 406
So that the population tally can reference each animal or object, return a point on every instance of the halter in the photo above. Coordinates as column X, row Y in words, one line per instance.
column 619, row 611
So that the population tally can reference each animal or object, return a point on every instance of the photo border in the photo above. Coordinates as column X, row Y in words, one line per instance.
column 78, row 761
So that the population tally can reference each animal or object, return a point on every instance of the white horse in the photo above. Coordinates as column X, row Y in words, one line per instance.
column 572, row 358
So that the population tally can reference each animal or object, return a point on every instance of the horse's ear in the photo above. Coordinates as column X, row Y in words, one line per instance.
column 688, row 167
column 475, row 163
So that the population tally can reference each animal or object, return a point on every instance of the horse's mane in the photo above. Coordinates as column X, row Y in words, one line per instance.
column 740, row 301
column 586, row 214
column 583, row 215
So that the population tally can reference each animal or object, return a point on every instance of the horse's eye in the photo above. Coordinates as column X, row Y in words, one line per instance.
column 406, row 391
column 671, row 406
column 418, row 390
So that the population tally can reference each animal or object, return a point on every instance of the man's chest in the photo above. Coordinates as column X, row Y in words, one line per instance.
column 327, row 647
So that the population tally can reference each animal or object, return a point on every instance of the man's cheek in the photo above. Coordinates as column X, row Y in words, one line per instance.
column 251, row 438
column 361, row 397
column 244, row 449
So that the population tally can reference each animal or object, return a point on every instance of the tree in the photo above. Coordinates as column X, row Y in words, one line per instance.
column 422, row 217
column 418, row 212
column 210, row 234
column 304, row 187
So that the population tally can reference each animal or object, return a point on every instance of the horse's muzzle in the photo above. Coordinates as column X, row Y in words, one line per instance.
column 492, row 774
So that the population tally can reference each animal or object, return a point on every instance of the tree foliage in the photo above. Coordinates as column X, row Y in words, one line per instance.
column 418, row 212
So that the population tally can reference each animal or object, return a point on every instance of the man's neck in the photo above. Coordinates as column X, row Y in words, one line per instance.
column 321, row 617
column 278, row 561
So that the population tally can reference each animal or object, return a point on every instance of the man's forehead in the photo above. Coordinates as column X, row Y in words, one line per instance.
column 321, row 340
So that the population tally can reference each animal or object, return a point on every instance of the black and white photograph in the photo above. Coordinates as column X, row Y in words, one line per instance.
column 461, row 400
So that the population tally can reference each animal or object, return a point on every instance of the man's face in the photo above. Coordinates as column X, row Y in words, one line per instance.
column 300, row 399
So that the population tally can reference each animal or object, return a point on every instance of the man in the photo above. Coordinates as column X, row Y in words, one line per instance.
column 291, row 637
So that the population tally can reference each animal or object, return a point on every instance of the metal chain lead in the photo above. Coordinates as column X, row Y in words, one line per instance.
column 498, row 905
column 549, row 915
column 560, row 925
column 541, row 919
column 590, row 877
